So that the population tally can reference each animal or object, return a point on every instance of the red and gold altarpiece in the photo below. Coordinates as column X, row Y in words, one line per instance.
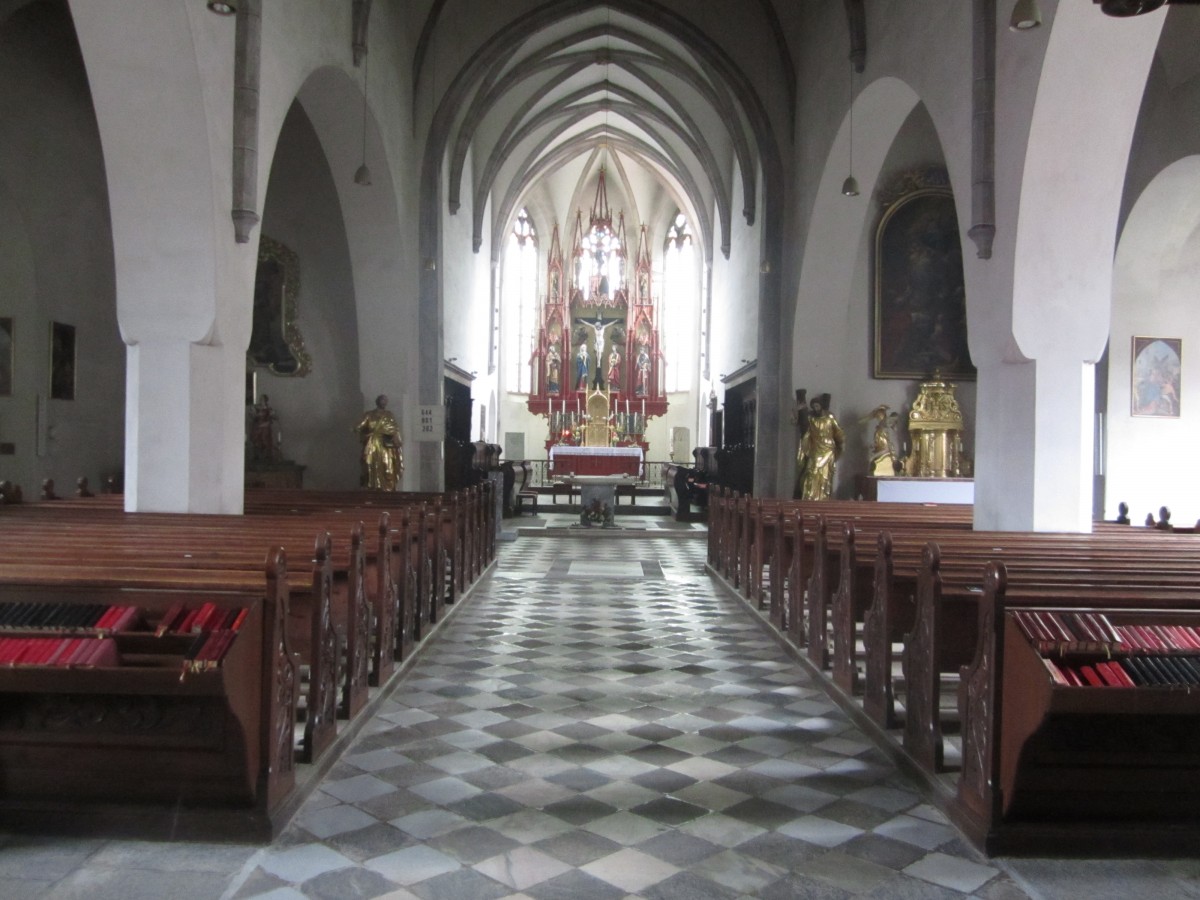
column 596, row 335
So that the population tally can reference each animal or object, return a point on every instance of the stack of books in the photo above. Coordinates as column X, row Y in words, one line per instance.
column 58, row 652
column 1082, row 649
column 213, row 630
column 65, row 617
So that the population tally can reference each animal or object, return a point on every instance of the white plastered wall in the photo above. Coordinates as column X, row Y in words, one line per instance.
column 1151, row 460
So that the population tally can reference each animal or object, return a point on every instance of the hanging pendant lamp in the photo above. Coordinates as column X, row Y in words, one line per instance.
column 850, row 185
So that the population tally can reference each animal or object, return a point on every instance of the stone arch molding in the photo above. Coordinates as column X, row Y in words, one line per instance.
column 333, row 101
column 833, row 250
column 1080, row 133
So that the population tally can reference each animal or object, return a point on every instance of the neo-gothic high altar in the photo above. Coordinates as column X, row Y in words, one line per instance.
column 598, row 344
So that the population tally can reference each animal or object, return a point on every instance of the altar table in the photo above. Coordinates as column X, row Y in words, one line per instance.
column 569, row 460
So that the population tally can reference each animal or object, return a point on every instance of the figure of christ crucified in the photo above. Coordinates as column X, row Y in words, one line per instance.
column 599, row 327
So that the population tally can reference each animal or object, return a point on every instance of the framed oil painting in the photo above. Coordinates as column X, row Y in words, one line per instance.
column 1156, row 369
column 275, row 340
column 62, row 361
column 920, row 321
column 6, row 357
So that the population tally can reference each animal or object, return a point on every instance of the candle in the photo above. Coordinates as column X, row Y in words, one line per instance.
column 643, row 407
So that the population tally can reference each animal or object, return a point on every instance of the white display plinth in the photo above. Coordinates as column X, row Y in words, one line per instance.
column 925, row 490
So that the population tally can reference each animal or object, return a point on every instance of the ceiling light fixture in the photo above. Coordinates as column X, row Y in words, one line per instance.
column 850, row 185
column 1123, row 8
column 363, row 174
column 222, row 9
column 1025, row 16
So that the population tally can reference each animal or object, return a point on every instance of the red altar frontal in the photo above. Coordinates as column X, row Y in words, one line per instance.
column 568, row 460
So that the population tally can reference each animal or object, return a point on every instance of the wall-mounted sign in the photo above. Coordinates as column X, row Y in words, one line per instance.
column 431, row 423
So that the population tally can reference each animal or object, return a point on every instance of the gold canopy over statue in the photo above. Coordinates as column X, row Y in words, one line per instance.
column 935, row 425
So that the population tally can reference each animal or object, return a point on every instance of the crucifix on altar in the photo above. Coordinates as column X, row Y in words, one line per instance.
column 598, row 335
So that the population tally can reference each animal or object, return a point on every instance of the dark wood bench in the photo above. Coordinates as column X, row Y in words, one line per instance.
column 1095, row 771
column 147, row 747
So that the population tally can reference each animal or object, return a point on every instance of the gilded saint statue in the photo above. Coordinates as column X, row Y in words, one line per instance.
column 884, row 458
column 816, row 462
column 382, row 456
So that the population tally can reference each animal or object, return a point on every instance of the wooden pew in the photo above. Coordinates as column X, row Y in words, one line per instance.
column 149, row 747
column 944, row 635
column 896, row 563
column 1096, row 771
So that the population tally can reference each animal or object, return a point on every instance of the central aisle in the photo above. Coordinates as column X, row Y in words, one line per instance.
column 600, row 722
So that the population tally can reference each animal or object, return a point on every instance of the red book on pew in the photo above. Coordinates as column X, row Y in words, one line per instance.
column 1120, row 674
column 125, row 620
column 1055, row 627
column 9, row 648
column 1031, row 627
column 185, row 625
column 24, row 648
column 1185, row 636
column 1072, row 676
column 1106, row 675
column 224, row 642
column 241, row 617
column 45, row 649
column 53, row 658
column 1168, row 637
column 81, row 650
column 63, row 655
column 1056, row 673
column 1090, row 676
column 105, row 617
column 168, row 618
column 103, row 652
column 203, row 620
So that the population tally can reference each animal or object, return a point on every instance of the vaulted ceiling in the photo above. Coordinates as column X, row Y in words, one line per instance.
column 684, row 107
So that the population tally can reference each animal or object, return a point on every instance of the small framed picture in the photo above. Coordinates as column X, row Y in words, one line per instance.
column 62, row 361
column 1156, row 369
column 6, row 357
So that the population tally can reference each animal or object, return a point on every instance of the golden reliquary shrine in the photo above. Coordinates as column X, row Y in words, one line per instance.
column 596, row 365
column 935, row 425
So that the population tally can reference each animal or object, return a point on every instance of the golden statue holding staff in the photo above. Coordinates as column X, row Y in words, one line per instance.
column 816, row 462
column 383, row 459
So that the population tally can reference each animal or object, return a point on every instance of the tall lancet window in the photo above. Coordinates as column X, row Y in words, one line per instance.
column 680, row 307
column 519, row 302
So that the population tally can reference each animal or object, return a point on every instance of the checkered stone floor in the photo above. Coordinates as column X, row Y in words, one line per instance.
column 572, row 735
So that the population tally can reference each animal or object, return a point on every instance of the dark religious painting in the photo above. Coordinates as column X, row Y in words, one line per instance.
column 920, row 301
column 275, row 340
column 6, row 357
column 1156, row 372
column 62, row 361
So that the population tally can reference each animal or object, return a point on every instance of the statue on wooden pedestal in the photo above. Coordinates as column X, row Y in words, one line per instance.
column 819, row 451
column 382, row 457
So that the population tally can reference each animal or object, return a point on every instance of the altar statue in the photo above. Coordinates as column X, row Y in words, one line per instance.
column 553, row 369
column 382, row 456
column 262, row 432
column 614, row 369
column 816, row 463
column 884, row 458
column 581, row 366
